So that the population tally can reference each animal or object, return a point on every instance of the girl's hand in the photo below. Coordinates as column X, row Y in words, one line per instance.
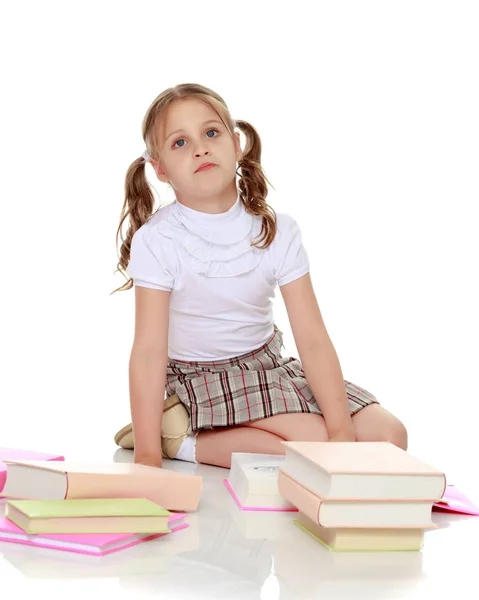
column 346, row 433
column 150, row 461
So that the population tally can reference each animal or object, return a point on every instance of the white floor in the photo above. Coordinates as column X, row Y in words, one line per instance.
column 228, row 554
column 379, row 170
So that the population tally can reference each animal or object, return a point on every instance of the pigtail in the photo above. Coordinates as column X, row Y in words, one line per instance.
column 139, row 200
column 253, row 186
column 138, row 208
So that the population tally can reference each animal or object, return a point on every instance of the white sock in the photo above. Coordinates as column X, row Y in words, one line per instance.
column 187, row 451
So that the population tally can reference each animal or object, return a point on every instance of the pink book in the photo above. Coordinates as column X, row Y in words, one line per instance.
column 455, row 501
column 85, row 543
column 14, row 454
column 257, row 508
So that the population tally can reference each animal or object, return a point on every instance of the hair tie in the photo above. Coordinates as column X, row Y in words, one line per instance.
column 145, row 156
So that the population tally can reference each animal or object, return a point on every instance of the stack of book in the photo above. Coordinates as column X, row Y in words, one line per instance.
column 93, row 508
column 87, row 526
column 357, row 496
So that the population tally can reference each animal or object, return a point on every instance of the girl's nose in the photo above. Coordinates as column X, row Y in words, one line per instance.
column 201, row 149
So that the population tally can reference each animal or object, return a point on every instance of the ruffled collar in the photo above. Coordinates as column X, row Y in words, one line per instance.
column 215, row 245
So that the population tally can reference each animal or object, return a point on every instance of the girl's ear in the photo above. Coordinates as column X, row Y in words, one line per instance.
column 237, row 143
column 160, row 172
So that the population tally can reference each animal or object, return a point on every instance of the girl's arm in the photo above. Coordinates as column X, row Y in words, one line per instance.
column 147, row 372
column 318, row 357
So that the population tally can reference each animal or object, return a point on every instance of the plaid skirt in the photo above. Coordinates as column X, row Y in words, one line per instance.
column 252, row 386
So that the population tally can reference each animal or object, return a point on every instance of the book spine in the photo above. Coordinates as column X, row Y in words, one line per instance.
column 305, row 501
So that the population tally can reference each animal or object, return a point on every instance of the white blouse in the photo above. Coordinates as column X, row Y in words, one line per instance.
column 221, row 286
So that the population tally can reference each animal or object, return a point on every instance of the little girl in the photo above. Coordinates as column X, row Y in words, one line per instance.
column 205, row 268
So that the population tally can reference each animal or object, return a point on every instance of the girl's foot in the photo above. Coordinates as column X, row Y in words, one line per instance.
column 175, row 429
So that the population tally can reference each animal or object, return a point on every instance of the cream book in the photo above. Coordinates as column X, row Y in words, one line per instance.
column 44, row 480
column 363, row 540
column 253, row 482
column 351, row 513
column 89, row 515
column 362, row 470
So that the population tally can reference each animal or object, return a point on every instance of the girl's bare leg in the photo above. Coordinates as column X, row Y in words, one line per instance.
column 375, row 424
column 294, row 427
column 372, row 424
column 215, row 447
column 259, row 437
column 264, row 436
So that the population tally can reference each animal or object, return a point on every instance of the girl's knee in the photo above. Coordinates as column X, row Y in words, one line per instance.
column 393, row 431
column 398, row 435
column 375, row 424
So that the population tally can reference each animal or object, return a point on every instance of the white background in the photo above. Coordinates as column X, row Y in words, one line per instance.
column 368, row 113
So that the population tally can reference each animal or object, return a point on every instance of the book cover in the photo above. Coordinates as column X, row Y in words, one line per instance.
column 457, row 502
column 257, row 508
column 89, row 515
column 87, row 507
column 368, row 458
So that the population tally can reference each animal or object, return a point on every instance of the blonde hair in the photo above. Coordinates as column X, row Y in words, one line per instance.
column 139, row 200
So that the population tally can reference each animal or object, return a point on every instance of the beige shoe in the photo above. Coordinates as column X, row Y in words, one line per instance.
column 125, row 438
column 175, row 428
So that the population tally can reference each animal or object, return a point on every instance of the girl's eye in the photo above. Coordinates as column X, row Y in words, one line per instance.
column 178, row 145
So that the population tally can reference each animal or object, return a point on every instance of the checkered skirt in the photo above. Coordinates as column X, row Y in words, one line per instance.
column 252, row 386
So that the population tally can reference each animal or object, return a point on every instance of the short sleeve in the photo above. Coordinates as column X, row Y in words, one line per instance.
column 290, row 259
column 153, row 262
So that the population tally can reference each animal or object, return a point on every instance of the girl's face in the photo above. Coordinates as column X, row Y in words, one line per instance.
column 191, row 135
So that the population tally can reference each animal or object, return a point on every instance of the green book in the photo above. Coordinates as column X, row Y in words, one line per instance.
column 89, row 515
column 362, row 540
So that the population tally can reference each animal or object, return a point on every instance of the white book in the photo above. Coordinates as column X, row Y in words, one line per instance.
column 253, row 482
